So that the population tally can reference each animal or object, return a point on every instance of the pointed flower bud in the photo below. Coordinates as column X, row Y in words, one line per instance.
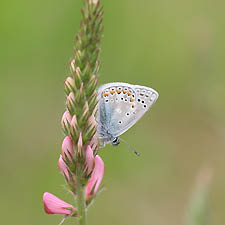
column 66, row 120
column 63, row 168
column 91, row 85
column 70, row 102
column 92, row 122
column 54, row 205
column 74, row 130
column 85, row 113
column 78, row 53
column 67, row 150
column 91, row 128
column 77, row 77
column 96, row 178
column 94, row 1
column 94, row 142
column 89, row 159
column 72, row 65
column 80, row 144
column 70, row 177
column 69, row 85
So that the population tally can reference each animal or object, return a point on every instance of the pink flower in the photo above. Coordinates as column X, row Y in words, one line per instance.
column 96, row 177
column 63, row 168
column 54, row 205
column 89, row 159
column 67, row 148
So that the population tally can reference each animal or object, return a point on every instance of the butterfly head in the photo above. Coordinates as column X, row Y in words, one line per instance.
column 115, row 141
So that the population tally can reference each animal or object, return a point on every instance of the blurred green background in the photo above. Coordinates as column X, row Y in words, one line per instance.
column 176, row 47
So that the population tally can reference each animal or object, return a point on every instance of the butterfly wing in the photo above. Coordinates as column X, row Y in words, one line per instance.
column 121, row 105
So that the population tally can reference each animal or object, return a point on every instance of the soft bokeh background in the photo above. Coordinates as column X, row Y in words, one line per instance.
column 176, row 47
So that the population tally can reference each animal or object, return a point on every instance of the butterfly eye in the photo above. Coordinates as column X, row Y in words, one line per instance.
column 115, row 141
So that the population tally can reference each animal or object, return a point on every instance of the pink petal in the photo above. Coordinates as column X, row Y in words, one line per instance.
column 80, row 144
column 89, row 159
column 63, row 168
column 96, row 177
column 66, row 118
column 67, row 146
column 94, row 142
column 54, row 205
column 74, row 121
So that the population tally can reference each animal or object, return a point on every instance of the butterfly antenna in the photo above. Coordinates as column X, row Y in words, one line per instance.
column 130, row 147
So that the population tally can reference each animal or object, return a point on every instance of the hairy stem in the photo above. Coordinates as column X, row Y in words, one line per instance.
column 81, row 204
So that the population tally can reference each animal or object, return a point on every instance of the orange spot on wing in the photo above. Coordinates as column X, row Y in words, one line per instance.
column 131, row 99
column 132, row 106
column 112, row 92
column 129, row 93
column 105, row 94
column 118, row 91
column 124, row 91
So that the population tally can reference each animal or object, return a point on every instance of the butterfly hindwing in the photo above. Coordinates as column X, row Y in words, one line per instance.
column 121, row 105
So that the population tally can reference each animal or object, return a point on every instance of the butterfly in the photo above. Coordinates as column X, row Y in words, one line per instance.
column 120, row 106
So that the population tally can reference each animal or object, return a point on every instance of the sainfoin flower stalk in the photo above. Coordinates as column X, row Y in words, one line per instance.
column 78, row 162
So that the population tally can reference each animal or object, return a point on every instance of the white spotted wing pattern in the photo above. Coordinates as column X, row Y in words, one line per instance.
column 120, row 106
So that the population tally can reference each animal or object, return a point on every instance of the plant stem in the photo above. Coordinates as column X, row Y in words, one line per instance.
column 81, row 205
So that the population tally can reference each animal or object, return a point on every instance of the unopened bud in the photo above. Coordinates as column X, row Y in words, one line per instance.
column 85, row 113
column 72, row 65
column 80, row 145
column 92, row 101
column 66, row 120
column 77, row 77
column 70, row 102
column 67, row 150
column 93, row 1
column 89, row 160
column 63, row 168
column 94, row 142
column 92, row 85
column 69, row 85
column 74, row 130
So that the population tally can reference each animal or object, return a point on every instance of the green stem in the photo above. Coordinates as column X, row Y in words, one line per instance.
column 81, row 205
